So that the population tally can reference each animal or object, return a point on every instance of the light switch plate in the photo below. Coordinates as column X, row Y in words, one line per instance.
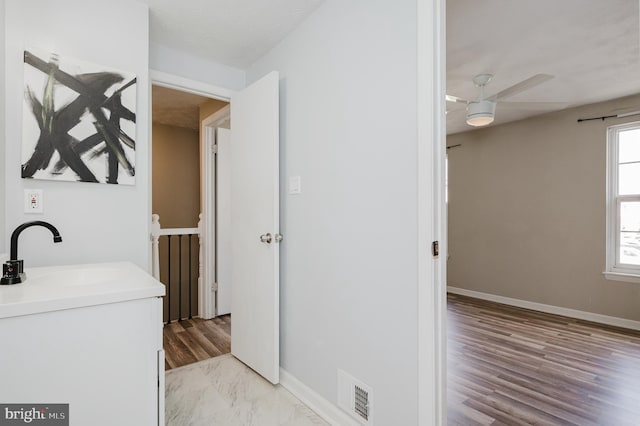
column 33, row 201
column 295, row 185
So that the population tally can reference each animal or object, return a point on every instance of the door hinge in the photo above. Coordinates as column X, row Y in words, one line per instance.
column 214, row 149
column 435, row 249
column 214, row 287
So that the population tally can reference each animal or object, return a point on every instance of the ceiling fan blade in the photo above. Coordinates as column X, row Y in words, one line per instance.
column 450, row 98
column 521, row 87
column 534, row 105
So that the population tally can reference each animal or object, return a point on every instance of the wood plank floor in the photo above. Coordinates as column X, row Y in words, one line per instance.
column 511, row 366
column 189, row 341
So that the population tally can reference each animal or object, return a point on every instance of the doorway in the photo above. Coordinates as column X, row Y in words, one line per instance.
column 182, row 173
column 255, row 227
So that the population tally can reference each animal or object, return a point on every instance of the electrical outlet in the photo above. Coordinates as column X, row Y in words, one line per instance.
column 33, row 201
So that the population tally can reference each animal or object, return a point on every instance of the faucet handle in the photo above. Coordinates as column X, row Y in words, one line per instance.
column 12, row 272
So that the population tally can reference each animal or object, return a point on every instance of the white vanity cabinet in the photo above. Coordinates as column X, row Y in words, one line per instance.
column 95, row 345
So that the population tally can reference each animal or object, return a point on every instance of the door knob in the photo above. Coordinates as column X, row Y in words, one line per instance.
column 265, row 238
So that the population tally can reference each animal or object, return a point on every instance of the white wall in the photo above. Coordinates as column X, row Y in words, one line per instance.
column 4, row 245
column 349, row 255
column 98, row 222
column 171, row 61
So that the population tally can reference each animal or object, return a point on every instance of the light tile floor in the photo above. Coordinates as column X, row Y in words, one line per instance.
column 223, row 391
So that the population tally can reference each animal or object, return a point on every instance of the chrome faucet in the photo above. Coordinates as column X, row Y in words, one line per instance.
column 13, row 270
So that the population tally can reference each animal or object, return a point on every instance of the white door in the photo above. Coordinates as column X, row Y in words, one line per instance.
column 223, row 221
column 255, row 305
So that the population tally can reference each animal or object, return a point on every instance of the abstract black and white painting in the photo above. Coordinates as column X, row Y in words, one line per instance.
column 78, row 121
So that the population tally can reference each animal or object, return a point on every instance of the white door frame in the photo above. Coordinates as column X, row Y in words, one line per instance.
column 209, row 307
column 432, row 219
column 206, row 299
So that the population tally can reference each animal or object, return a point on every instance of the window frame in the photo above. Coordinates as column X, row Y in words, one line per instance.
column 614, row 269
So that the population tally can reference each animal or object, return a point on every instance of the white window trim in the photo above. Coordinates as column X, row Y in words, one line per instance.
column 614, row 270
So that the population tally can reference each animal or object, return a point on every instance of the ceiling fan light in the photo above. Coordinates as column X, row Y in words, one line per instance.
column 480, row 113
column 480, row 120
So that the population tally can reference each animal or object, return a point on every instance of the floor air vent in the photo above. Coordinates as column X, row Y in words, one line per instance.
column 361, row 404
column 355, row 398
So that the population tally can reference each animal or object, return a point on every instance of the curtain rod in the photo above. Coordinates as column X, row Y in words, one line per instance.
column 604, row 117
column 454, row 146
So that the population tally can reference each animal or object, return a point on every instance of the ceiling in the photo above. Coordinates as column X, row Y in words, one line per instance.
column 590, row 46
column 179, row 109
column 235, row 33
column 232, row 32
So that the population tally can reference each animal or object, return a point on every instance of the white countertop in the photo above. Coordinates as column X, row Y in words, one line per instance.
column 54, row 288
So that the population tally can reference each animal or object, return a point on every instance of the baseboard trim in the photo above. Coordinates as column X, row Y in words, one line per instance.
column 550, row 309
column 321, row 406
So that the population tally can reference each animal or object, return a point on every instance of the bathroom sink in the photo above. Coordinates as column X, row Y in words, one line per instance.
column 55, row 288
column 76, row 277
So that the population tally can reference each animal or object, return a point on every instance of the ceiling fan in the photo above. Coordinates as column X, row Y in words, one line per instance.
column 481, row 111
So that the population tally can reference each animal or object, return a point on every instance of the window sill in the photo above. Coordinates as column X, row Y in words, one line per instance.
column 618, row 276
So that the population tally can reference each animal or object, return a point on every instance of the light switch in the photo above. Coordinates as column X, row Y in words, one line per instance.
column 33, row 201
column 294, row 185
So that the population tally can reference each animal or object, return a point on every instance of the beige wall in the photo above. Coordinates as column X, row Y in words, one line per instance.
column 527, row 211
column 176, row 176
column 176, row 198
column 209, row 107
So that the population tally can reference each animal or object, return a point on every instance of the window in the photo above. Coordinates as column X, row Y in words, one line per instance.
column 623, row 202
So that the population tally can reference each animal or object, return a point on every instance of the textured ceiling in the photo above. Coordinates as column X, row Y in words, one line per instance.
column 175, row 108
column 590, row 46
column 232, row 32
